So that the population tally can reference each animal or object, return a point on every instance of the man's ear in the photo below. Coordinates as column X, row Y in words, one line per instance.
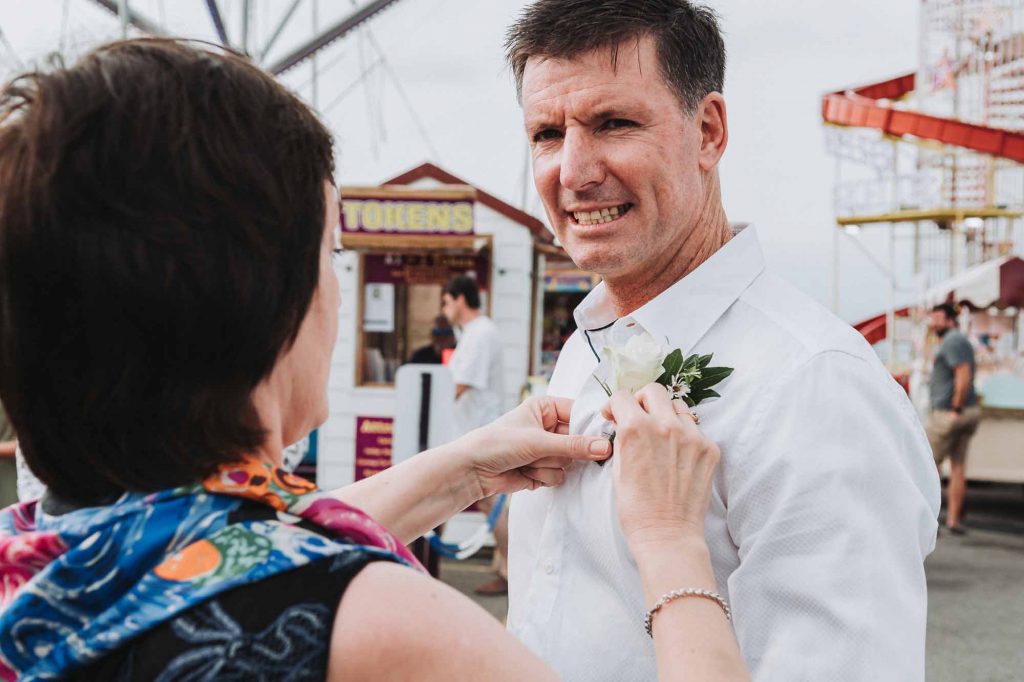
column 714, row 130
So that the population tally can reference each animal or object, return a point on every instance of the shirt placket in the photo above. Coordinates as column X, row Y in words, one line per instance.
column 545, row 588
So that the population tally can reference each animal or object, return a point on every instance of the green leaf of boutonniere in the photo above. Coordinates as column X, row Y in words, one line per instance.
column 673, row 363
column 701, row 395
column 693, row 379
column 710, row 376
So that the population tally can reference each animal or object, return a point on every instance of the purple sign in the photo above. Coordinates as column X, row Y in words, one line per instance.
column 373, row 445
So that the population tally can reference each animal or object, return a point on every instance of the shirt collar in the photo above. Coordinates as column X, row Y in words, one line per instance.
column 685, row 311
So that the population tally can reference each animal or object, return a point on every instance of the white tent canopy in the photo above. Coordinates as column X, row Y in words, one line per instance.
column 983, row 285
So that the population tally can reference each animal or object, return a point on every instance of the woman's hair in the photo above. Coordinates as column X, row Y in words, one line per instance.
column 161, row 216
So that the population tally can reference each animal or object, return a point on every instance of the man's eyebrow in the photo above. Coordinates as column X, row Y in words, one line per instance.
column 542, row 121
column 613, row 112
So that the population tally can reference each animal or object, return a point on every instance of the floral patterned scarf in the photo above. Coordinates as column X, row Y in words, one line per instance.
column 78, row 586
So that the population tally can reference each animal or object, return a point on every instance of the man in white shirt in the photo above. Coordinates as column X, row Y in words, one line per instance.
column 476, row 363
column 477, row 370
column 825, row 503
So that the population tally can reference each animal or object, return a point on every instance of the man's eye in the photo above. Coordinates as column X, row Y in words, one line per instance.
column 616, row 123
column 547, row 134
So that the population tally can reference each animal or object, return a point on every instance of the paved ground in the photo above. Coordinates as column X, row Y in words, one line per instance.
column 465, row 575
column 975, row 584
column 976, row 593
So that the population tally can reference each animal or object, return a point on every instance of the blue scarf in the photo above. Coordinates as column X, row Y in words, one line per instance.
column 76, row 587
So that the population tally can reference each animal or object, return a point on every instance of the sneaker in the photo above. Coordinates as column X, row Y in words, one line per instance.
column 957, row 530
column 493, row 588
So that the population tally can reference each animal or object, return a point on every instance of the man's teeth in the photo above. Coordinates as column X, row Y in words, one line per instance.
column 604, row 215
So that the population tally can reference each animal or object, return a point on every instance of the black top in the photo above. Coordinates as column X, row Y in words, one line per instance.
column 277, row 629
column 427, row 355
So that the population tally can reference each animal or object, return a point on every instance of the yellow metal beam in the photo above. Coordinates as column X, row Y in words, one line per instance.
column 938, row 215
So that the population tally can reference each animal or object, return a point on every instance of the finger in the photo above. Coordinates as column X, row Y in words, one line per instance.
column 553, row 411
column 621, row 407
column 686, row 417
column 563, row 408
column 572, row 447
column 553, row 463
column 545, row 476
column 562, row 429
column 656, row 401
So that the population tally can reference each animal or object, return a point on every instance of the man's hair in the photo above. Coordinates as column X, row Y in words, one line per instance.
column 948, row 309
column 464, row 286
column 687, row 36
column 161, row 219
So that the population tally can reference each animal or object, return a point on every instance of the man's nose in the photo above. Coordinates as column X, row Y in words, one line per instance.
column 581, row 165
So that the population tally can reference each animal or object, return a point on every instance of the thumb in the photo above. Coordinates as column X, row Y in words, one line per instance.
column 591, row 448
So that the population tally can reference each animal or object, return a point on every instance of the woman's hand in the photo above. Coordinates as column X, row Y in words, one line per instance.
column 527, row 448
column 663, row 468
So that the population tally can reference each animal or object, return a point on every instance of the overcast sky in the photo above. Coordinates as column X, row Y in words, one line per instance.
column 425, row 81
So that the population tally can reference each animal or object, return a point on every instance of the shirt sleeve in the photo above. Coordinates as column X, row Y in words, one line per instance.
column 833, row 510
column 470, row 364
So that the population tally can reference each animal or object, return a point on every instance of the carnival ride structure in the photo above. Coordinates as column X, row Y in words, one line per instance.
column 935, row 157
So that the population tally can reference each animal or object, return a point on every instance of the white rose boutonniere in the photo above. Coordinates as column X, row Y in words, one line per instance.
column 642, row 360
column 636, row 364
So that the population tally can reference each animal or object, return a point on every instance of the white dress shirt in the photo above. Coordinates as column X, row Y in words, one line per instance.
column 823, row 508
column 476, row 363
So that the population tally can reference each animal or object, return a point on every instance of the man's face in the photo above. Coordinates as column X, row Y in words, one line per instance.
column 938, row 321
column 450, row 307
column 617, row 141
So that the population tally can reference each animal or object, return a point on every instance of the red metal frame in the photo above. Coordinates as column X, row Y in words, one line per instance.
column 863, row 108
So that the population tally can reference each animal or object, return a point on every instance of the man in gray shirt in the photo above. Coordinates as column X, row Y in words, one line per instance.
column 955, row 412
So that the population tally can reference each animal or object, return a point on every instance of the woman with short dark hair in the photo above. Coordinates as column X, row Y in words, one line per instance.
column 168, row 311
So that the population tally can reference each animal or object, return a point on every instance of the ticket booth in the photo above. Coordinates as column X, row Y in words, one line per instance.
column 403, row 241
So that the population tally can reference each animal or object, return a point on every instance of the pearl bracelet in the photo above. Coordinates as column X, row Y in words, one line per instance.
column 677, row 594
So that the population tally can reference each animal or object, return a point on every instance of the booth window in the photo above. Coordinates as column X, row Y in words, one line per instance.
column 565, row 287
column 401, row 299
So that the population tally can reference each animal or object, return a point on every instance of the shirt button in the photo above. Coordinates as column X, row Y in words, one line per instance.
column 549, row 567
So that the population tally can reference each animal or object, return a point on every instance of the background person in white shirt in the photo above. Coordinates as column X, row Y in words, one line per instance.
column 476, row 364
column 477, row 370
column 825, row 503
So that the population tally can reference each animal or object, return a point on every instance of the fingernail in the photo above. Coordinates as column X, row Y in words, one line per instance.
column 600, row 447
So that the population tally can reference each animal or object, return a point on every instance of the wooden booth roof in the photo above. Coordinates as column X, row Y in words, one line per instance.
column 541, row 234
